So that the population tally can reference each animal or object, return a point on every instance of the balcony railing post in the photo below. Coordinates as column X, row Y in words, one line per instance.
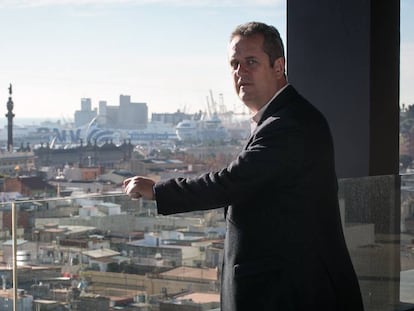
column 14, row 238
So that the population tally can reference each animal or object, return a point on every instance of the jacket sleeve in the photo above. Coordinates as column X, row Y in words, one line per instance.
column 273, row 155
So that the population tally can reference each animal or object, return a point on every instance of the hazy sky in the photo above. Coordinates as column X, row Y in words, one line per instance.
column 167, row 53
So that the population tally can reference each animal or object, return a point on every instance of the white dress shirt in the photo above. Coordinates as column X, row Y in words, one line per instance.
column 258, row 115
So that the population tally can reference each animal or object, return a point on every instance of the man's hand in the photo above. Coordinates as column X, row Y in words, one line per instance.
column 138, row 186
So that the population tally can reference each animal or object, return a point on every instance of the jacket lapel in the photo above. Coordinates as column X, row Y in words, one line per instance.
column 283, row 99
column 278, row 103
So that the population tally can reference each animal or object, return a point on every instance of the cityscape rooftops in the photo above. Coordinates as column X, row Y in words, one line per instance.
column 199, row 297
column 191, row 273
column 101, row 253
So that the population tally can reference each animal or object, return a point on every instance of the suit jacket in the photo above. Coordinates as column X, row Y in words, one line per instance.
column 284, row 247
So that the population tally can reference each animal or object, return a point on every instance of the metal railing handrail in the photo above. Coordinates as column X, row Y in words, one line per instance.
column 75, row 197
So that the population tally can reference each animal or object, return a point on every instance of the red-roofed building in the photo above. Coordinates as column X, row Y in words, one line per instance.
column 29, row 186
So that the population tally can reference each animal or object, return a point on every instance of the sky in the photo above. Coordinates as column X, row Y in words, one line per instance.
column 169, row 54
column 166, row 53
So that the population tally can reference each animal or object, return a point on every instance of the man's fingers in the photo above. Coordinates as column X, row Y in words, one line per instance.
column 138, row 186
column 132, row 191
column 128, row 180
column 135, row 196
column 131, row 187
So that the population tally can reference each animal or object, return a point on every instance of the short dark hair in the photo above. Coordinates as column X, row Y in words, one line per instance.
column 272, row 43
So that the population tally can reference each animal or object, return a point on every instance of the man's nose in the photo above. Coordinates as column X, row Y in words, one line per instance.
column 240, row 70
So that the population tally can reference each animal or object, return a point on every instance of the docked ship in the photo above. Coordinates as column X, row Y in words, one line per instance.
column 203, row 130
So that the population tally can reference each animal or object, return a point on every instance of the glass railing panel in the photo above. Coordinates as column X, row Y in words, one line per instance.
column 73, row 248
column 374, row 221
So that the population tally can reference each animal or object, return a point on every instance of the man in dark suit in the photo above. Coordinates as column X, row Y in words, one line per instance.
column 284, row 248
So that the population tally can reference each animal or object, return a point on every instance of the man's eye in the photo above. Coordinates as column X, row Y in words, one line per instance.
column 234, row 65
column 251, row 61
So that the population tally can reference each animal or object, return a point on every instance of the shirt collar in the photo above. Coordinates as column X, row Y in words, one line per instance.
column 258, row 115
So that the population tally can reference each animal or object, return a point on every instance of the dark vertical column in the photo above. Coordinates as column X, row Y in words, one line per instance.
column 384, row 87
column 343, row 56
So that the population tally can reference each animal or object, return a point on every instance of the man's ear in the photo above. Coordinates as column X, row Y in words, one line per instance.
column 279, row 66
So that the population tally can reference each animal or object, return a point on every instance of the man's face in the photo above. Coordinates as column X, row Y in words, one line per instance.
column 255, row 80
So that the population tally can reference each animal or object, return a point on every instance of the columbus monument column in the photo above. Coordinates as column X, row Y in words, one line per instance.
column 10, row 116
